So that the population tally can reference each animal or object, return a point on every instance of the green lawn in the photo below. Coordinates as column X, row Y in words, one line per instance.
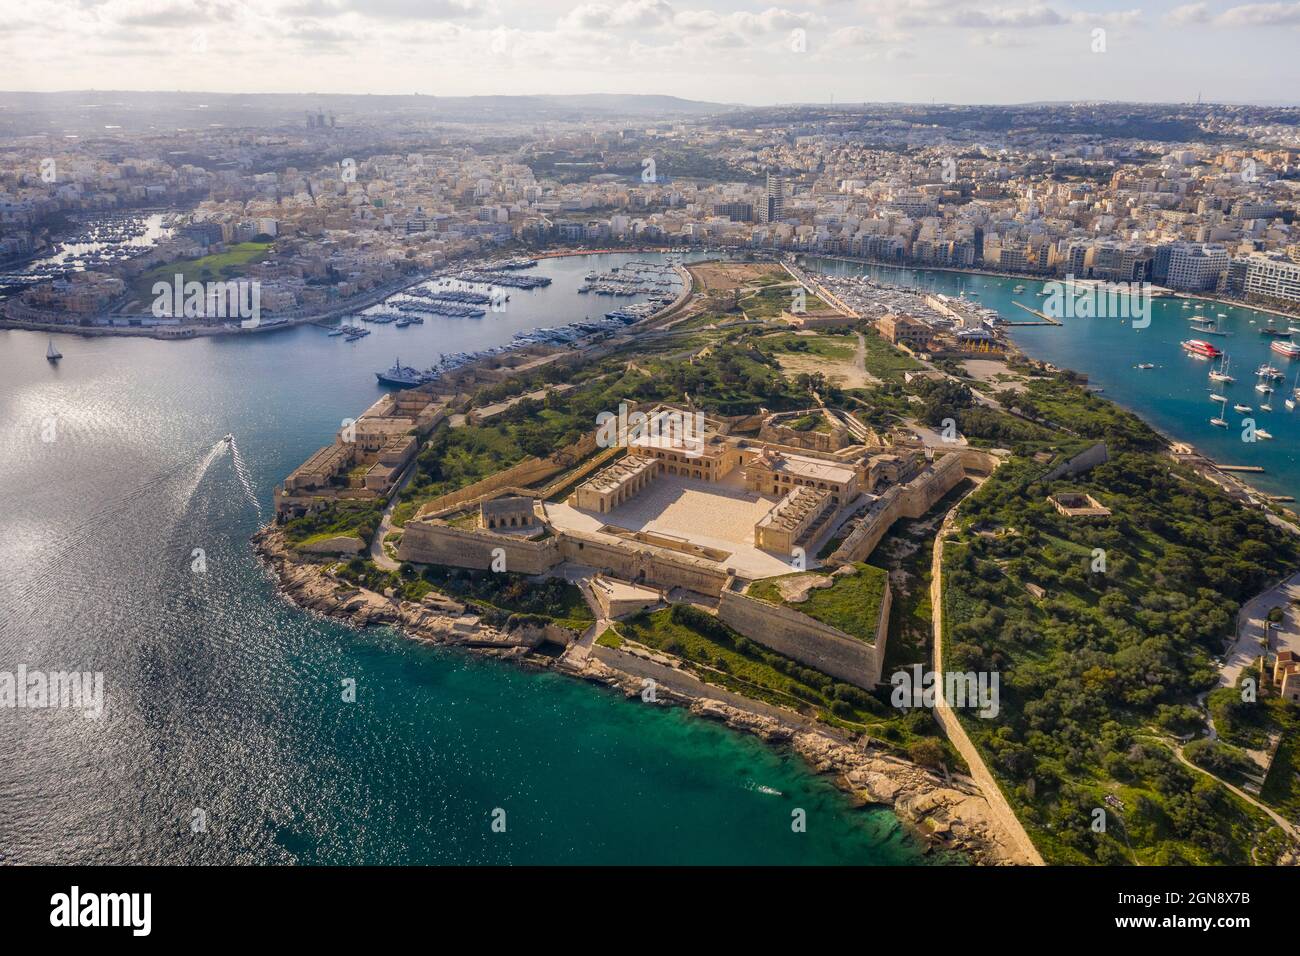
column 852, row 604
column 214, row 268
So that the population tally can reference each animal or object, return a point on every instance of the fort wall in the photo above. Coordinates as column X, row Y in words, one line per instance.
column 810, row 642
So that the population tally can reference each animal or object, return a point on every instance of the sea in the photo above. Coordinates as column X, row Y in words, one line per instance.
column 240, row 729
column 1174, row 394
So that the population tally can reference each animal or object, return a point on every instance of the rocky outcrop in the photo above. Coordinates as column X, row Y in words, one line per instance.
column 436, row 618
column 947, row 815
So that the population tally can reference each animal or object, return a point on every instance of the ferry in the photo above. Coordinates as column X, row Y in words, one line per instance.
column 1201, row 347
column 1286, row 349
column 399, row 374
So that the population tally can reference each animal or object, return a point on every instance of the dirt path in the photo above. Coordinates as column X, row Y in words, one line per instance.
column 998, row 805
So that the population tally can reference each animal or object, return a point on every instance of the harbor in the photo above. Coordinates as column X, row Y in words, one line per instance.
column 1117, row 357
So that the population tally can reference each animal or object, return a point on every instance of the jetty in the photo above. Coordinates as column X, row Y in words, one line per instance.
column 1046, row 319
column 1256, row 469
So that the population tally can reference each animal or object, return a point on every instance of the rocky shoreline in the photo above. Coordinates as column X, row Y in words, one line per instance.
column 943, row 815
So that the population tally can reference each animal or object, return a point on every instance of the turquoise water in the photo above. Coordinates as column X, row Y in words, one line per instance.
column 224, row 699
column 1173, row 396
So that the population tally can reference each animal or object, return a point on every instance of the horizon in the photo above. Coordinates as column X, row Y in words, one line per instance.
column 960, row 52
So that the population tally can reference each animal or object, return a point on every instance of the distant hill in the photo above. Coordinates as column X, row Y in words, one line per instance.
column 91, row 110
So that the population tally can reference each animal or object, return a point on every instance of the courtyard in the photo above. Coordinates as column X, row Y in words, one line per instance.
column 719, row 515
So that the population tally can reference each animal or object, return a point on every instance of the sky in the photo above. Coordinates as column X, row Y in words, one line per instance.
column 728, row 51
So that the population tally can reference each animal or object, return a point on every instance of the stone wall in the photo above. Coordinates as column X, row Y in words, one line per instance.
column 527, row 472
column 638, row 562
column 910, row 500
column 435, row 542
column 810, row 642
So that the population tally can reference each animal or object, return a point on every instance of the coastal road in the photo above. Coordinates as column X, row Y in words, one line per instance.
column 1252, row 628
column 999, row 809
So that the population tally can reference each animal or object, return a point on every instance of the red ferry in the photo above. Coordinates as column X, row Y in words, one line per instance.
column 1201, row 347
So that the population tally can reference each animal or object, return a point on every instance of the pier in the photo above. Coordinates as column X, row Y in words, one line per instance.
column 1046, row 319
column 1255, row 469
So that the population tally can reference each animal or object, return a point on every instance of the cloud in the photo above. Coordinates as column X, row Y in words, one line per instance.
column 1189, row 13
column 1013, row 18
column 997, row 39
column 1260, row 15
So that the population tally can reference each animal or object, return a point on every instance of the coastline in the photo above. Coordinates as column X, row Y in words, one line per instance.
column 951, row 815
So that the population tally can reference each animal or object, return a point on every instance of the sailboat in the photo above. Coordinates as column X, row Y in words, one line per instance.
column 1219, row 420
column 1221, row 373
column 52, row 354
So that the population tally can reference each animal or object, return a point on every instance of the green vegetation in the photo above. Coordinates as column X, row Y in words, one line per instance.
column 1256, row 724
column 498, row 597
column 886, row 362
column 769, row 302
column 851, row 603
column 359, row 518
column 1097, row 674
column 718, row 655
column 826, row 345
column 214, row 268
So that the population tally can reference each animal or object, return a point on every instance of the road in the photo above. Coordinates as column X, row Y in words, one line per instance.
column 1251, row 628
column 377, row 553
column 998, row 806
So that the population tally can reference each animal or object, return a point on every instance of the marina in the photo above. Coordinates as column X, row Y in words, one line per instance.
column 1108, row 351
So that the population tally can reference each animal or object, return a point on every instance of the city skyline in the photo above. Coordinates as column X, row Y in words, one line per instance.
column 736, row 53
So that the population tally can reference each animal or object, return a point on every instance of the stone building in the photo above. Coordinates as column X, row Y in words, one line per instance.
column 509, row 513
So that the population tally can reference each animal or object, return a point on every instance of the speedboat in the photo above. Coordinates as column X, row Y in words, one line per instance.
column 1146, row 365
column 52, row 355
column 1260, row 433
column 228, row 438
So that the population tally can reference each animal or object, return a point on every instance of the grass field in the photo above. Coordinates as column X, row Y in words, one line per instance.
column 852, row 604
column 213, row 268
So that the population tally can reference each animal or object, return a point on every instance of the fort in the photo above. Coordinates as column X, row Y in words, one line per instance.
column 699, row 520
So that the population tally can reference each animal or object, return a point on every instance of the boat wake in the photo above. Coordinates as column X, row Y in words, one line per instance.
column 242, row 473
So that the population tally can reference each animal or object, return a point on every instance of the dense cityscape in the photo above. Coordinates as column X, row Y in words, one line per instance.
column 1081, row 190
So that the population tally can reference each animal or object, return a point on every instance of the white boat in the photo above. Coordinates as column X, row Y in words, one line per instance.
column 1290, row 404
column 1265, row 407
column 1219, row 421
column 1242, row 408
column 1217, row 398
column 51, row 353
column 1260, row 433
